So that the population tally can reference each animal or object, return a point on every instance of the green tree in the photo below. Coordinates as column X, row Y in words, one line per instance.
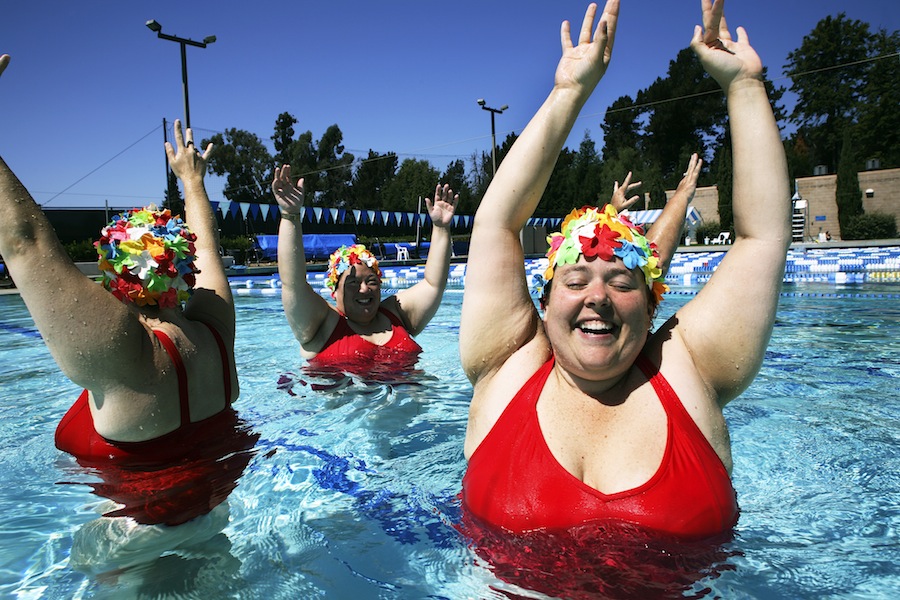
column 828, row 74
column 414, row 178
column 685, row 113
column 560, row 197
column 304, row 162
column 335, row 167
column 725, row 184
column 848, row 194
column 879, row 118
column 799, row 155
column 283, row 138
column 242, row 157
column 455, row 177
column 586, row 171
column 371, row 178
column 173, row 200
column 621, row 130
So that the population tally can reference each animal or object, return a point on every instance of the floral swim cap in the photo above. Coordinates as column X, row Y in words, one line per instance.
column 147, row 257
column 594, row 232
column 343, row 258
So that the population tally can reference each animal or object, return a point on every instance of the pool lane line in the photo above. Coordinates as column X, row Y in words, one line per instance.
column 26, row 331
column 870, row 295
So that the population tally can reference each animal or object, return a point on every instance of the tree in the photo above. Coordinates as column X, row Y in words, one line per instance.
column 371, row 178
column 247, row 163
column 828, row 74
column 283, row 138
column 335, row 168
column 685, row 113
column 586, row 171
column 173, row 200
column 621, row 129
column 848, row 194
column 482, row 172
column 415, row 178
column 879, row 119
column 455, row 177
column 725, row 184
column 560, row 197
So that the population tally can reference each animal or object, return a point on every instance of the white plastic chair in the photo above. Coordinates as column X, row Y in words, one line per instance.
column 722, row 238
column 402, row 253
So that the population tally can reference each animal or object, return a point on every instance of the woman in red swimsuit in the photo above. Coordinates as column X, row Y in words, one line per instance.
column 363, row 330
column 154, row 350
column 585, row 415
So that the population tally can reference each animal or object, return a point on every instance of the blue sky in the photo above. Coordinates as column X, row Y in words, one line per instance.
column 83, row 100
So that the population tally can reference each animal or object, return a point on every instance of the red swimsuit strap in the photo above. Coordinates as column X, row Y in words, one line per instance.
column 226, row 367
column 173, row 353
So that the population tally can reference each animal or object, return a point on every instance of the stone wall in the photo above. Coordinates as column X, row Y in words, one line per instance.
column 819, row 192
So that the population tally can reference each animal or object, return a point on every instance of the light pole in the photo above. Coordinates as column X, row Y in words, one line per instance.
column 157, row 28
column 493, row 111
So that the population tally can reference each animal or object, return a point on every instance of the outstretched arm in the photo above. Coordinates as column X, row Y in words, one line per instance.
column 89, row 333
column 666, row 231
column 306, row 310
column 418, row 304
column 727, row 326
column 498, row 315
column 212, row 301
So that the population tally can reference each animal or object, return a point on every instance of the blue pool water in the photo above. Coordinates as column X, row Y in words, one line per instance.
column 353, row 493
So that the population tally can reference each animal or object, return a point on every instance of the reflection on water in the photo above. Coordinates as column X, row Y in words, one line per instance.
column 601, row 560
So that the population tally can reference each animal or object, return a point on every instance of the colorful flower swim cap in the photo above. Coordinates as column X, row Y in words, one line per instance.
column 147, row 257
column 595, row 232
column 343, row 258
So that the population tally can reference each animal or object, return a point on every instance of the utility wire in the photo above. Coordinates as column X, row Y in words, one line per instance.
column 102, row 165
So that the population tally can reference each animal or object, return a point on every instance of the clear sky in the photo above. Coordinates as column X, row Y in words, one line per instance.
column 84, row 97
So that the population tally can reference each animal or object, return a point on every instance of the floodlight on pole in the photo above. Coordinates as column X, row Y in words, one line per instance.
column 155, row 27
column 493, row 111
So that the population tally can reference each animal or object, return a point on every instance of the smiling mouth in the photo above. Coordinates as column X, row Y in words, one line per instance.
column 596, row 328
column 365, row 301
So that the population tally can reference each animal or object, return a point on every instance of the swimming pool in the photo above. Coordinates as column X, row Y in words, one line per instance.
column 353, row 493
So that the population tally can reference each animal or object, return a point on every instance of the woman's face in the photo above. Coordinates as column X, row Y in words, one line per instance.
column 358, row 293
column 597, row 317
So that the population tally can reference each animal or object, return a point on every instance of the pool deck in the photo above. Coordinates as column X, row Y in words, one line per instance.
column 262, row 269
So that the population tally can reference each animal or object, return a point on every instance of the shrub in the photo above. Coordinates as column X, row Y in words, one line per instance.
column 870, row 226
column 236, row 242
column 81, row 251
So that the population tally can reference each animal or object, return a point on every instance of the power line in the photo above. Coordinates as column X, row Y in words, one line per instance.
column 102, row 165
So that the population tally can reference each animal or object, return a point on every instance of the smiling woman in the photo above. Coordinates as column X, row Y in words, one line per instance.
column 587, row 417
column 363, row 331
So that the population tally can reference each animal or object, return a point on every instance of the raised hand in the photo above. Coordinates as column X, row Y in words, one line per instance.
column 185, row 159
column 582, row 65
column 726, row 60
column 619, row 199
column 442, row 208
column 688, row 183
column 290, row 197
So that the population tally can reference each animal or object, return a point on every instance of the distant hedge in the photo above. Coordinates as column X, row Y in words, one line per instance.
column 870, row 226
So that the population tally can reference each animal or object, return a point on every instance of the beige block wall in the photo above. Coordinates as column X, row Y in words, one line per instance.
column 819, row 192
